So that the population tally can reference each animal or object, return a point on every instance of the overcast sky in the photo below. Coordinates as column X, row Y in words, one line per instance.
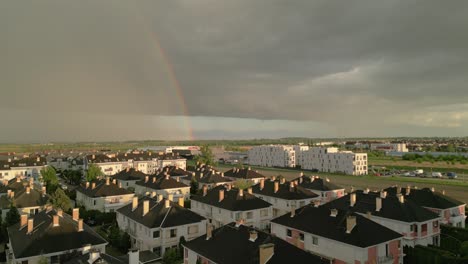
column 104, row 70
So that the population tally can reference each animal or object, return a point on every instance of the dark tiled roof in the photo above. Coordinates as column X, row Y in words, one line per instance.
column 392, row 208
column 285, row 191
column 46, row 238
column 102, row 189
column 159, row 215
column 129, row 174
column 209, row 176
column 23, row 162
column 318, row 221
column 231, row 245
column 14, row 185
column 245, row 173
column 427, row 198
column 23, row 199
column 318, row 184
column 232, row 200
column 161, row 183
column 173, row 171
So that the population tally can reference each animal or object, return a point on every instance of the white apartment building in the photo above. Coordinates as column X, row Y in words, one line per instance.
column 394, row 147
column 158, row 224
column 24, row 167
column 272, row 156
column 299, row 150
column 223, row 205
column 104, row 196
column 333, row 160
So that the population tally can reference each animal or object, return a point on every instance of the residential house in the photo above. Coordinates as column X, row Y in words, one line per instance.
column 157, row 224
column 209, row 178
column 327, row 190
column 163, row 185
column 244, row 174
column 343, row 236
column 129, row 177
column 236, row 243
column 223, row 205
column 134, row 256
column 52, row 235
column 284, row 196
column 103, row 195
column 24, row 167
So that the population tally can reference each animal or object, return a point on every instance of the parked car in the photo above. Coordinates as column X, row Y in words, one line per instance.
column 451, row 175
column 436, row 175
column 418, row 171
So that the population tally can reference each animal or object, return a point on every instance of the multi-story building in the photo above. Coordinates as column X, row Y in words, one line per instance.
column 238, row 243
column 326, row 190
column 158, row 224
column 333, row 160
column 299, row 150
column 24, row 167
column 284, row 196
column 450, row 210
column 272, row 156
column 223, row 205
column 103, row 195
column 418, row 225
column 393, row 147
column 244, row 174
column 60, row 163
column 342, row 236
column 162, row 185
column 51, row 235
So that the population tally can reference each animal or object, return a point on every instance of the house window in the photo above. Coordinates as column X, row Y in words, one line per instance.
column 249, row 215
column 94, row 202
column 289, row 232
column 386, row 250
column 314, row 240
column 435, row 224
column 264, row 212
column 173, row 232
column 238, row 216
column 155, row 234
column 157, row 251
column 414, row 228
column 301, row 236
column 424, row 228
column 192, row 229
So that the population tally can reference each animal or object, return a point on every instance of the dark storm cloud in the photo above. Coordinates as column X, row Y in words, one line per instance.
column 399, row 65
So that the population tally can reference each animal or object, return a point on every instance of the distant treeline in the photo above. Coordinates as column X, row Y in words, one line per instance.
column 429, row 158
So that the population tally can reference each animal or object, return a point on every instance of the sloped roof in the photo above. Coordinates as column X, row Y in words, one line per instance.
column 161, row 183
column 22, row 199
column 129, row 174
column 244, row 173
column 315, row 183
column 427, row 198
column 102, row 189
column 285, row 191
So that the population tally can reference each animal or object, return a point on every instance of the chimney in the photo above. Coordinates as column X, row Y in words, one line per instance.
column 443, row 192
column 276, row 186
column 408, row 190
column 398, row 190
column 266, row 251
column 368, row 214
column 28, row 190
column 127, row 169
column 93, row 185
column 87, row 185
column 146, row 179
column 241, row 192
column 228, row 187
column 248, row 168
column 253, row 235
column 160, row 197
column 30, row 226
column 107, row 180
column 38, row 159
column 177, row 179
column 293, row 211
column 167, row 177
column 76, row 214
column 8, row 193
column 291, row 187
column 56, row 220
column 273, row 178
column 378, row 204
column 114, row 181
column 94, row 156
column 205, row 190
column 352, row 199
column 44, row 190
column 432, row 189
column 60, row 212
column 23, row 220
column 333, row 212
column 134, row 203
column 350, row 223
column 145, row 207
column 249, row 190
column 222, row 174
column 383, row 194
column 153, row 194
column 170, row 197
column 300, row 180
column 221, row 195
column 134, row 256
column 209, row 231
column 154, row 179
column 282, row 180
column 120, row 185
column 167, row 203
column 12, row 194
column 80, row 225
column 262, row 184
column 366, row 191
column 5, row 182
column 316, row 203
column 401, row 198
column 181, row 201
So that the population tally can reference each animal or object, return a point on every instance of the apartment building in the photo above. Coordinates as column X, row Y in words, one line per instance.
column 284, row 196
column 237, row 243
column 25, row 167
column 104, row 195
column 333, row 160
column 324, row 188
column 157, row 224
column 162, row 185
column 418, row 225
column 450, row 210
column 53, row 235
column 223, row 205
column 298, row 151
column 342, row 236
column 244, row 174
column 393, row 147
column 272, row 156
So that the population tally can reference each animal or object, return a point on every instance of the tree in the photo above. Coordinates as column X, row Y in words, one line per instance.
column 43, row 260
column 182, row 241
column 93, row 172
column 464, row 248
column 125, row 243
column 171, row 256
column 49, row 177
column 206, row 156
column 60, row 200
column 242, row 184
column 194, row 186
column 12, row 217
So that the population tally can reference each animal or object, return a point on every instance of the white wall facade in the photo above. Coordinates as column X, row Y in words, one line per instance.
column 272, row 156
column 333, row 160
column 175, row 192
column 103, row 204
column 283, row 206
column 396, row 147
